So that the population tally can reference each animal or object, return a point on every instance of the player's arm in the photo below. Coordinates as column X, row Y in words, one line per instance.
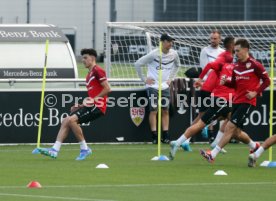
column 232, row 83
column 175, row 69
column 203, row 59
column 262, row 74
column 148, row 58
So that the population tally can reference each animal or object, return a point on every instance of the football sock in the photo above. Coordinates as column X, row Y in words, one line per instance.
column 83, row 145
column 180, row 140
column 217, row 139
column 154, row 135
column 252, row 144
column 259, row 152
column 57, row 145
column 215, row 151
column 165, row 135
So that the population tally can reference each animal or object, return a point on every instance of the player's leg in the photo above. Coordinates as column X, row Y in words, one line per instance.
column 210, row 115
column 252, row 159
column 201, row 95
column 165, row 126
column 152, row 96
column 219, row 135
column 62, row 135
column 165, row 104
column 152, row 122
column 239, row 113
column 191, row 131
column 83, row 115
column 244, row 138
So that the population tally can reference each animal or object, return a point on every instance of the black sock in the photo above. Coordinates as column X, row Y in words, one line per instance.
column 154, row 135
column 165, row 135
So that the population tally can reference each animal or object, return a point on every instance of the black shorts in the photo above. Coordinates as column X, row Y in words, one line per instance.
column 87, row 114
column 201, row 95
column 239, row 113
column 218, row 110
column 153, row 98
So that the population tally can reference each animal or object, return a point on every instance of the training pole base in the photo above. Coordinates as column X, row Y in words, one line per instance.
column 160, row 158
column 270, row 164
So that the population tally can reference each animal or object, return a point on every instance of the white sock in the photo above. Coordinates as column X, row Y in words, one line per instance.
column 259, row 152
column 57, row 145
column 83, row 145
column 215, row 151
column 180, row 140
column 217, row 139
column 188, row 140
column 252, row 144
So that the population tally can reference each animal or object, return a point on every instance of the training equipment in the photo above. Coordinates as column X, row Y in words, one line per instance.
column 34, row 184
column 220, row 173
column 271, row 163
column 102, row 166
column 36, row 151
column 127, row 41
column 84, row 154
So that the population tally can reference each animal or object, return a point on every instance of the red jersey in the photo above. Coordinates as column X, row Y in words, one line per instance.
column 224, row 57
column 246, row 77
column 212, row 79
column 223, row 91
column 93, row 84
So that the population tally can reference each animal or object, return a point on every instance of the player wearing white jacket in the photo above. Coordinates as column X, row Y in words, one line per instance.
column 170, row 64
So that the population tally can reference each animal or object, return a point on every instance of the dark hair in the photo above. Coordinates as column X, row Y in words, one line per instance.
column 89, row 51
column 243, row 43
column 227, row 41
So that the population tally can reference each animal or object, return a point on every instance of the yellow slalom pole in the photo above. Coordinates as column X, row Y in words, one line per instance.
column 159, row 98
column 271, row 98
column 42, row 94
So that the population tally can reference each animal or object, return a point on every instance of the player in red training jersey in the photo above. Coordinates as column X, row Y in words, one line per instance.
column 246, row 78
column 93, row 107
column 210, row 83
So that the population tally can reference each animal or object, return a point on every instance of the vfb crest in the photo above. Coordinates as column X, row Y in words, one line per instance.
column 137, row 115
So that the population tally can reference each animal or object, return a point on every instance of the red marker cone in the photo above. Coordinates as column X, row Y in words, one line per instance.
column 34, row 184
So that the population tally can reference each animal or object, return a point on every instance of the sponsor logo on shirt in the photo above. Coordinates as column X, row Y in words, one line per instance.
column 248, row 65
column 242, row 78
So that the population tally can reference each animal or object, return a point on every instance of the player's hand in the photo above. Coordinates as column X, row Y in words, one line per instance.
column 223, row 80
column 251, row 94
column 150, row 81
column 169, row 82
column 198, row 83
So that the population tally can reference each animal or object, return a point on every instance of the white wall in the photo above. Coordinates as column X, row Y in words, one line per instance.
column 11, row 10
column 66, row 13
column 78, row 14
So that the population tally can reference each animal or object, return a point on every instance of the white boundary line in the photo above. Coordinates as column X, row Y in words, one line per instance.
column 51, row 197
column 146, row 185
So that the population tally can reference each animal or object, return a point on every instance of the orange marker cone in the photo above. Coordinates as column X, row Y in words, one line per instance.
column 34, row 184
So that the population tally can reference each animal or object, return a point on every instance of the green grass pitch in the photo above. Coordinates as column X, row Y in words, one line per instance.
column 132, row 176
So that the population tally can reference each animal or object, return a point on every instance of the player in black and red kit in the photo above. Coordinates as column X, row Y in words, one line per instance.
column 246, row 78
column 93, row 107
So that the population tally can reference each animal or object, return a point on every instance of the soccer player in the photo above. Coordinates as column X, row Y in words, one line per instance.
column 91, row 109
column 208, row 86
column 224, row 57
column 170, row 64
column 207, row 54
column 246, row 78
column 252, row 159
